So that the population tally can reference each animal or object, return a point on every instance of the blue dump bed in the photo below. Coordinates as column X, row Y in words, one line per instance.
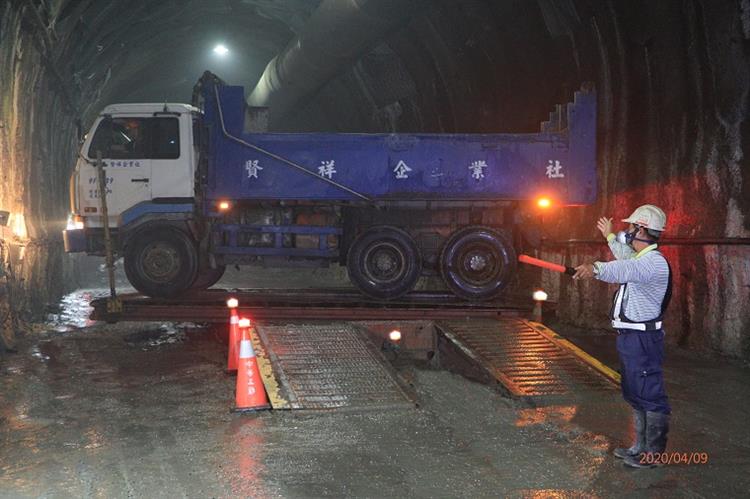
column 559, row 162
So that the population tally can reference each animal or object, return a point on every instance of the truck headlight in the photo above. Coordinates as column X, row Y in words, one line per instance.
column 75, row 222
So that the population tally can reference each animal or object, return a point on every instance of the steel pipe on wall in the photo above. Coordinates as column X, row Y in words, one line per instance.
column 682, row 241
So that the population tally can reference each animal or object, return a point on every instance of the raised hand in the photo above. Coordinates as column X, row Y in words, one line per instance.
column 605, row 226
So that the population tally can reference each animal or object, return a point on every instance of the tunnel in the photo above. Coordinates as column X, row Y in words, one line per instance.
column 463, row 391
column 671, row 80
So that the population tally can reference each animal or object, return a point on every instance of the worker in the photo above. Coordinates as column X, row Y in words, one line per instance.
column 132, row 135
column 637, row 313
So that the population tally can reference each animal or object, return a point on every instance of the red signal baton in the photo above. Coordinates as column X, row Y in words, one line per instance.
column 546, row 265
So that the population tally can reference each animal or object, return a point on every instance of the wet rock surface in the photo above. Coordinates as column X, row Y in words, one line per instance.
column 105, row 410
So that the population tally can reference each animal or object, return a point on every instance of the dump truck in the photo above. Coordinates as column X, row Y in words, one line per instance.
column 193, row 188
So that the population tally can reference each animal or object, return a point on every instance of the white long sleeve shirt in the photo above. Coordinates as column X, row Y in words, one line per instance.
column 646, row 274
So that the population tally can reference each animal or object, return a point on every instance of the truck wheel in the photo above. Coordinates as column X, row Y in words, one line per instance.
column 477, row 263
column 161, row 261
column 384, row 262
column 208, row 277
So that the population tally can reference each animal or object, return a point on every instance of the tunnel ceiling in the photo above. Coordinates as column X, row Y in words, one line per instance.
column 145, row 50
column 471, row 65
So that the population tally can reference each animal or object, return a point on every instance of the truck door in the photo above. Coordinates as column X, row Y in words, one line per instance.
column 171, row 162
column 125, row 145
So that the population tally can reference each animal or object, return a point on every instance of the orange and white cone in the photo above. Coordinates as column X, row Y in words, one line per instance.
column 234, row 334
column 250, row 394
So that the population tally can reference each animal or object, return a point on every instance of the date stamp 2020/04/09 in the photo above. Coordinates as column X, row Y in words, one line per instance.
column 674, row 458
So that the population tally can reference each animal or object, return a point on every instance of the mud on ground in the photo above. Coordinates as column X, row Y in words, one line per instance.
column 142, row 410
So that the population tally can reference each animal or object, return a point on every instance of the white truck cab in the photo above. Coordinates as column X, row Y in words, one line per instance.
column 148, row 156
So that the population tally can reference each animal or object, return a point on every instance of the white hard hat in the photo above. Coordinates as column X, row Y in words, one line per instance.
column 649, row 216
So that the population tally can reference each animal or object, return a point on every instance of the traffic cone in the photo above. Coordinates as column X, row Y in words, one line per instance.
column 234, row 334
column 250, row 394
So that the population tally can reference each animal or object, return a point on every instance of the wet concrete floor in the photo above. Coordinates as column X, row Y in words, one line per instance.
column 142, row 410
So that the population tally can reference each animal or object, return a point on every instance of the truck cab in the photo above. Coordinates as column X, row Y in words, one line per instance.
column 148, row 156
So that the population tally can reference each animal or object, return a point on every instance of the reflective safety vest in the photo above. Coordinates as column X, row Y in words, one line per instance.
column 617, row 313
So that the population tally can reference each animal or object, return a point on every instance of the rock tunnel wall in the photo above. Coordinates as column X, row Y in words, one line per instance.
column 61, row 61
column 37, row 144
column 672, row 80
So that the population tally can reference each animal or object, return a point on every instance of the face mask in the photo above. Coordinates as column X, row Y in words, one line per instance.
column 626, row 237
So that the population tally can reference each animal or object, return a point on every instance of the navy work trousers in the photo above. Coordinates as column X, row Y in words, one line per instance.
column 641, row 357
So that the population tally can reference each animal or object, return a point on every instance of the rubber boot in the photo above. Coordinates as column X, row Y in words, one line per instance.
column 657, row 427
column 639, row 421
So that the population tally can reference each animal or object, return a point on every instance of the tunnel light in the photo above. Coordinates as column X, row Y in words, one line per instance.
column 539, row 295
column 18, row 225
column 233, row 303
column 224, row 205
column 544, row 203
column 221, row 50
column 394, row 335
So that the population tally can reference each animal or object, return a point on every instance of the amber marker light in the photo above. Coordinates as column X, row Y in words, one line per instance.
column 224, row 205
column 394, row 335
column 544, row 203
column 539, row 295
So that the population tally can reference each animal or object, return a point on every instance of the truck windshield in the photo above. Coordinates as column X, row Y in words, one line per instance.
column 137, row 138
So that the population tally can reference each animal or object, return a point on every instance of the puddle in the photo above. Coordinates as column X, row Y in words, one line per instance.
column 74, row 310
column 165, row 334
column 560, row 415
column 37, row 354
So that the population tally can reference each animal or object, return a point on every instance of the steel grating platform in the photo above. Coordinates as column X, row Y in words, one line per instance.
column 527, row 358
column 332, row 365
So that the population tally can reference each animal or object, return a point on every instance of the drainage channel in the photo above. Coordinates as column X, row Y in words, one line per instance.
column 326, row 365
column 528, row 359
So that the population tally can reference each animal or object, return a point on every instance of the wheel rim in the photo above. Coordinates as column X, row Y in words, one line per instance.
column 384, row 263
column 478, row 264
column 161, row 262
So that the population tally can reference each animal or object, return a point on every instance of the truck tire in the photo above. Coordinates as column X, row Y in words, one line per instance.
column 208, row 277
column 161, row 261
column 477, row 263
column 384, row 262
